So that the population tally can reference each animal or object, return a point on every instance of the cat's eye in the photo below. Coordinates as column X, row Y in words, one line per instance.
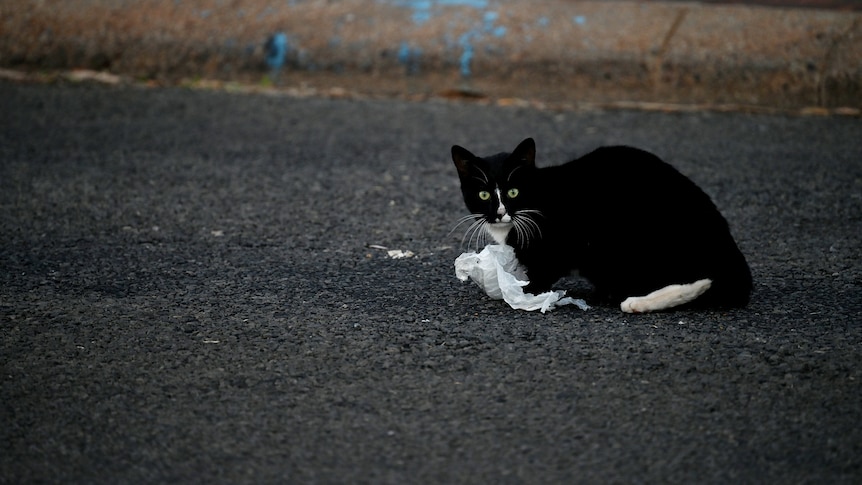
column 484, row 194
column 512, row 193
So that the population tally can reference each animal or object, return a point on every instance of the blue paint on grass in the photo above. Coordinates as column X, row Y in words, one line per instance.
column 276, row 49
column 409, row 57
column 424, row 11
column 478, row 4
column 488, row 24
column 465, row 60
column 421, row 11
column 404, row 53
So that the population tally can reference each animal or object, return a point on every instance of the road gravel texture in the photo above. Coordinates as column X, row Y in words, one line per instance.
column 190, row 291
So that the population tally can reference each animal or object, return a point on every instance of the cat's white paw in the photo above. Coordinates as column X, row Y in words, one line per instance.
column 634, row 304
column 667, row 297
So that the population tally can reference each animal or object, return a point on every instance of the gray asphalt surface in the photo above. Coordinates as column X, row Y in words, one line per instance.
column 188, row 295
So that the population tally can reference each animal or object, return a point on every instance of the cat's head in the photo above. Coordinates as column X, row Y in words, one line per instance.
column 499, row 192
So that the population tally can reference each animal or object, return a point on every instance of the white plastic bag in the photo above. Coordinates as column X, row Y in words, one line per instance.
column 496, row 270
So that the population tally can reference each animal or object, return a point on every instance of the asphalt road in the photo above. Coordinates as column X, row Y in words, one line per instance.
column 188, row 293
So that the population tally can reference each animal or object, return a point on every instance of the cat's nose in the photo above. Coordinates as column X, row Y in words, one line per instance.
column 503, row 216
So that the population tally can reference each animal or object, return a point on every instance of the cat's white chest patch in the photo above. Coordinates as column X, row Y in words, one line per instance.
column 499, row 231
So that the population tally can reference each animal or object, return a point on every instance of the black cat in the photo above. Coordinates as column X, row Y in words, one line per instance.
column 641, row 232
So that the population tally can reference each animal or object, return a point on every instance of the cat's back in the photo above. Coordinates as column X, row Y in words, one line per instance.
column 625, row 164
column 628, row 178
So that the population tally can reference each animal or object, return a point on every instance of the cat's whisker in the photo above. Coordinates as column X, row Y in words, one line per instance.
column 471, row 233
column 535, row 228
column 516, row 225
column 529, row 211
column 526, row 226
column 520, row 231
column 482, row 238
column 475, row 230
column 528, row 230
column 480, row 235
column 468, row 234
column 464, row 220
column 475, row 235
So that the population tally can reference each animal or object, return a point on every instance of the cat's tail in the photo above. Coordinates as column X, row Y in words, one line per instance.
column 723, row 292
column 726, row 287
column 668, row 297
column 731, row 286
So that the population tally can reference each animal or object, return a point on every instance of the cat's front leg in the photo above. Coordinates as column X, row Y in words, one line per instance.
column 539, row 283
column 542, row 272
column 536, row 289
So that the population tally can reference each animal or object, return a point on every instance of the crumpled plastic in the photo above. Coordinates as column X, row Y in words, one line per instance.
column 497, row 271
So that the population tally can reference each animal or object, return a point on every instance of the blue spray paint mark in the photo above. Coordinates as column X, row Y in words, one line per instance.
column 465, row 59
column 489, row 19
column 579, row 20
column 404, row 53
column 424, row 11
column 488, row 25
column 478, row 4
column 409, row 57
column 543, row 21
column 421, row 11
column 467, row 51
column 421, row 16
column 276, row 51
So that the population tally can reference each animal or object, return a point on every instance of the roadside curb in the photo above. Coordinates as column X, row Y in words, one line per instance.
column 557, row 51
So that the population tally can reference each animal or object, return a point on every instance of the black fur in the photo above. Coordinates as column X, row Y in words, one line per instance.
column 624, row 219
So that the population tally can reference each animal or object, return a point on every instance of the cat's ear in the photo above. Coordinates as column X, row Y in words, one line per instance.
column 461, row 157
column 526, row 152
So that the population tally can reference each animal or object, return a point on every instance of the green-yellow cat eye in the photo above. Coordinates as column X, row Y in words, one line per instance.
column 484, row 194
column 512, row 193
